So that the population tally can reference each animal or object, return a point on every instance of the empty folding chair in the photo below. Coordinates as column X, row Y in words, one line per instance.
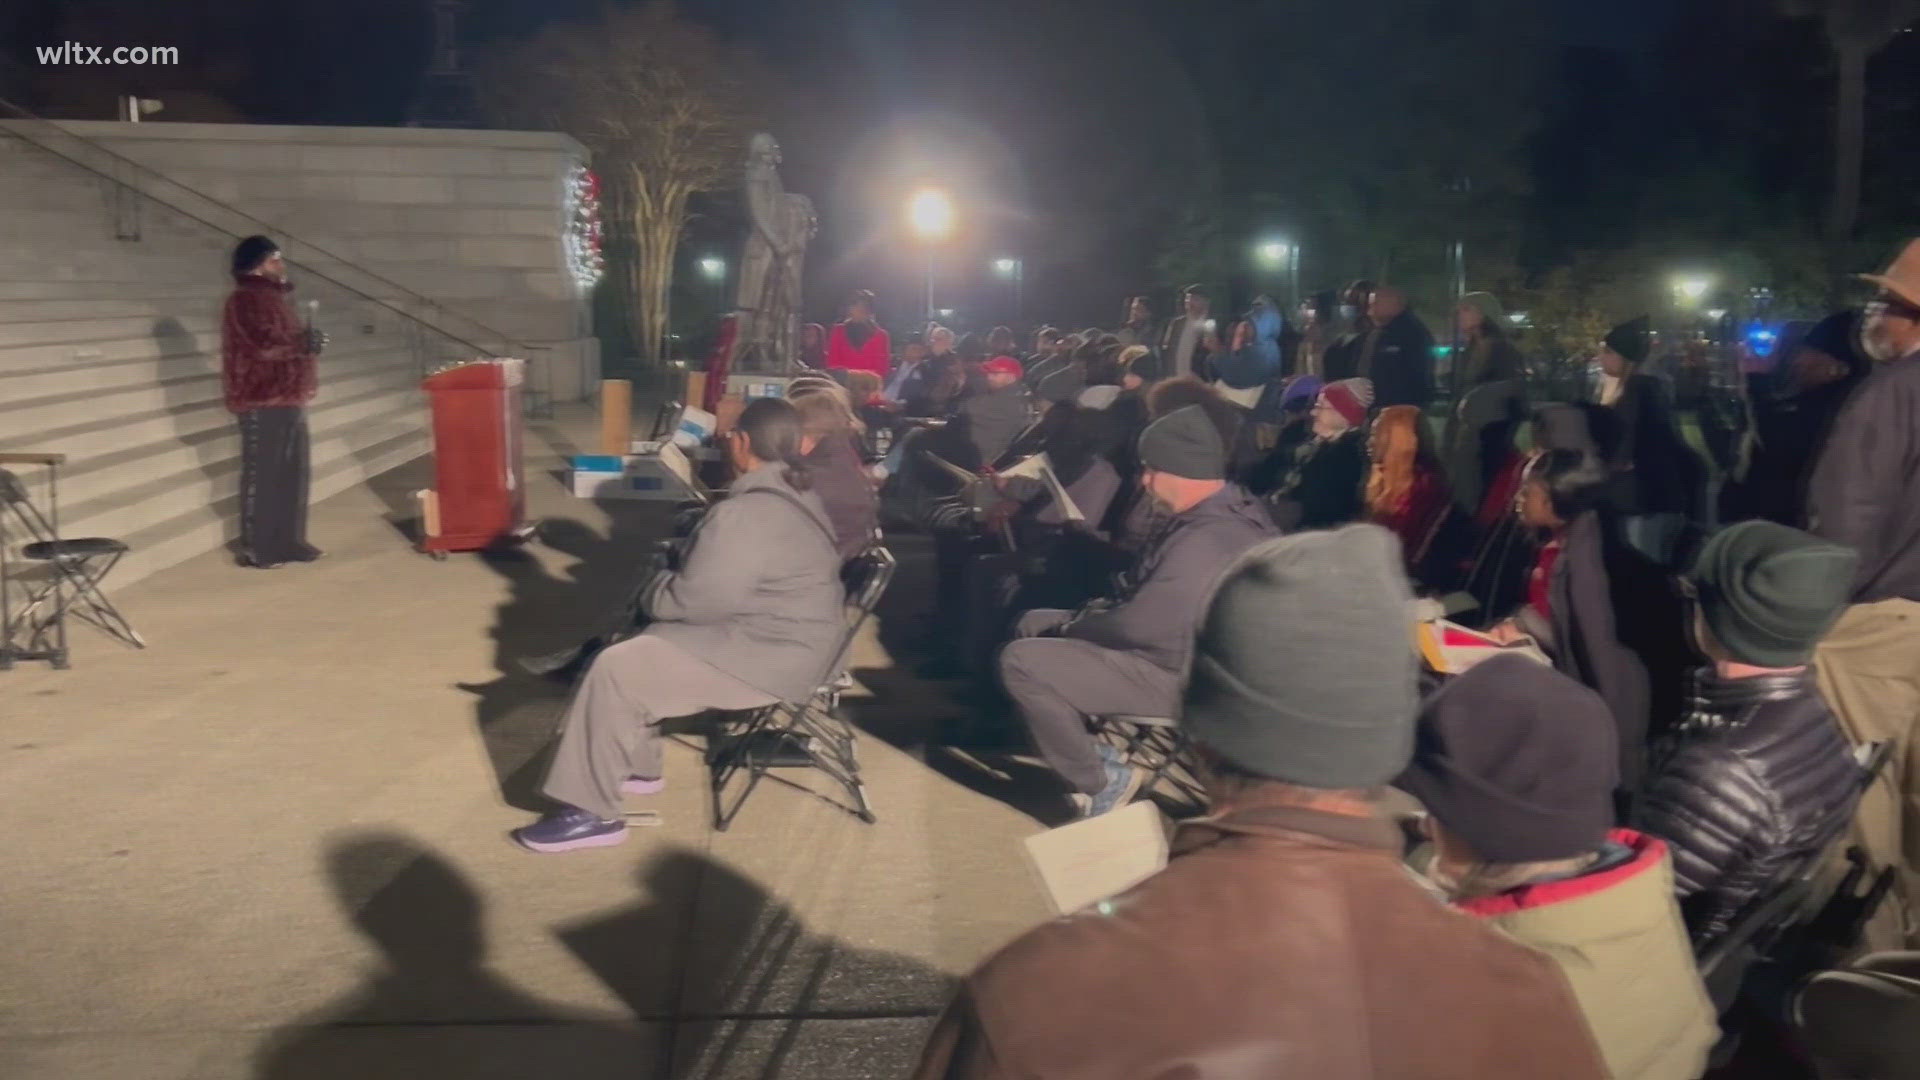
column 809, row 734
column 34, row 627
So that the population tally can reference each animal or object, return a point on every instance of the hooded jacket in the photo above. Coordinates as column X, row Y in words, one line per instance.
column 758, row 593
column 1757, row 780
column 1253, row 366
column 264, row 359
column 1163, row 597
column 1278, row 943
column 1616, row 933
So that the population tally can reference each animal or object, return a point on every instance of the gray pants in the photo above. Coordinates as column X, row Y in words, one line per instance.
column 1058, row 682
column 612, row 727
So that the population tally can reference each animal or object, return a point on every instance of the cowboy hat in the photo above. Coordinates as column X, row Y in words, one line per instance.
column 1902, row 279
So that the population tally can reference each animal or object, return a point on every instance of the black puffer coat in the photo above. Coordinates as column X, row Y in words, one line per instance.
column 1756, row 780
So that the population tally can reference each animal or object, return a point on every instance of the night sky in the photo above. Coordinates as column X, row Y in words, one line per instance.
column 1063, row 125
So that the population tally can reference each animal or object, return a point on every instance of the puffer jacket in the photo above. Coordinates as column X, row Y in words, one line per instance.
column 1756, row 780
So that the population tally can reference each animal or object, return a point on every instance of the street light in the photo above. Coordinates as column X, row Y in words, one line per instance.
column 1690, row 289
column 714, row 269
column 930, row 214
column 1275, row 253
column 1014, row 271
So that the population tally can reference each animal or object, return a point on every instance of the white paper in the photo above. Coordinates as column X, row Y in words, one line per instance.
column 1088, row 861
column 1040, row 467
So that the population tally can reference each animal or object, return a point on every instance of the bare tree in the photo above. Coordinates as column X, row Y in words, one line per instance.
column 1856, row 30
column 664, row 105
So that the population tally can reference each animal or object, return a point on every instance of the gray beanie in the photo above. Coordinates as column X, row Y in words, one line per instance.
column 1185, row 442
column 1303, row 670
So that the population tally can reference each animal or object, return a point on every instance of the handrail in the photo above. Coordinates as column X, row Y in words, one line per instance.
column 501, row 345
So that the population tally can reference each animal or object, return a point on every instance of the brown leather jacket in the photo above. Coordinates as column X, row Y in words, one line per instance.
column 1279, row 943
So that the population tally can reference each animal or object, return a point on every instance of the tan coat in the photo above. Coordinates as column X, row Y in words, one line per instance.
column 1279, row 943
column 1618, row 937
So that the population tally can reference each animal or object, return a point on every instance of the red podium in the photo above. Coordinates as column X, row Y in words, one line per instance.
column 479, row 495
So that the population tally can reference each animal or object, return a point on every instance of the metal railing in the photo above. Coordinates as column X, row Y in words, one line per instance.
column 419, row 312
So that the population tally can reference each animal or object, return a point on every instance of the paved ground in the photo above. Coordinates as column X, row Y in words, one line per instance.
column 273, row 844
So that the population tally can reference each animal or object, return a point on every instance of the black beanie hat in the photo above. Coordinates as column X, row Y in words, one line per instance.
column 248, row 254
column 1517, row 760
column 1770, row 593
column 1185, row 442
column 1320, row 702
column 1632, row 339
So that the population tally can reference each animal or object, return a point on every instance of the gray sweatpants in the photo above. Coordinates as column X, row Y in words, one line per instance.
column 1058, row 682
column 612, row 726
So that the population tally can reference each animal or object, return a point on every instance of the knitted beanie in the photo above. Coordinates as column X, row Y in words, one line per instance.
column 1770, row 593
column 1632, row 339
column 1185, row 442
column 1517, row 760
column 249, row 253
column 1303, row 668
column 1351, row 398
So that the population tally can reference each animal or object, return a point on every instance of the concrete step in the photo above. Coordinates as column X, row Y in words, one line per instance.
column 195, row 530
column 183, row 320
column 125, row 306
column 21, row 391
column 41, row 288
column 190, row 404
column 110, row 471
column 126, row 513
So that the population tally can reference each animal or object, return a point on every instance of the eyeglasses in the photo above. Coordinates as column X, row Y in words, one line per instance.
column 1886, row 306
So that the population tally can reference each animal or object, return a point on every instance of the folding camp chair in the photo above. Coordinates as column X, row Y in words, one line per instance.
column 803, row 734
column 74, row 568
column 1157, row 744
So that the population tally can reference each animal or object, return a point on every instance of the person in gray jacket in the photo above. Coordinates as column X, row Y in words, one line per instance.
column 1130, row 654
column 751, row 615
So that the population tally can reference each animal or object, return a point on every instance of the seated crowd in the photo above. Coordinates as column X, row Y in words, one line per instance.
column 1247, row 523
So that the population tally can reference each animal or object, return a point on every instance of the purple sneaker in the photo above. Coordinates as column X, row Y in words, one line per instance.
column 640, row 785
column 570, row 828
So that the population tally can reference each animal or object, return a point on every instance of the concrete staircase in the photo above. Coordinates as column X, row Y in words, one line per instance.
column 110, row 354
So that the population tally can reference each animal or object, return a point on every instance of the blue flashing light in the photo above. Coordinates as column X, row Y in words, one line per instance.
column 1762, row 339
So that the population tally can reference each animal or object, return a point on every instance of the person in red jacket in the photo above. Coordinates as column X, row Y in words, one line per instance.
column 267, row 372
column 858, row 344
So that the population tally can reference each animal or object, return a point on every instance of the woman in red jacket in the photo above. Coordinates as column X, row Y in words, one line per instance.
column 858, row 344
column 267, row 370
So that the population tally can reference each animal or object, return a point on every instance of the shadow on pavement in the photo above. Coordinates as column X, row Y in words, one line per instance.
column 517, row 712
column 434, row 1008
column 754, row 993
